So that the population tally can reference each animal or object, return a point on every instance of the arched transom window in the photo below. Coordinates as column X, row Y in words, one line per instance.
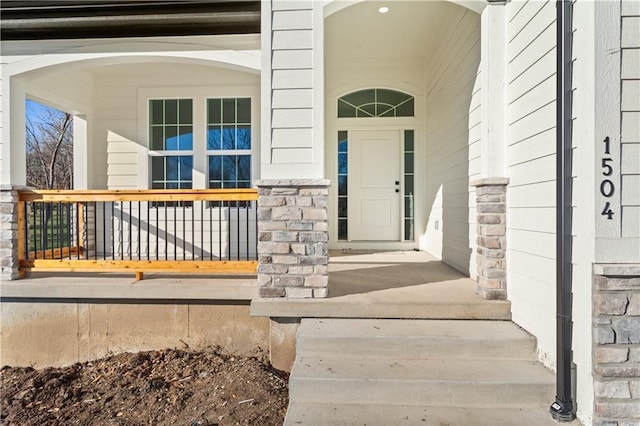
column 376, row 103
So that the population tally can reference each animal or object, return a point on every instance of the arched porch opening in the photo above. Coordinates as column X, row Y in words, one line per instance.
column 432, row 51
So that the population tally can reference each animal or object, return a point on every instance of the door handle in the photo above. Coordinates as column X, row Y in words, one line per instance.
column 397, row 190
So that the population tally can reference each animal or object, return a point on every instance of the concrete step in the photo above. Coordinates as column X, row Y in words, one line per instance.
column 415, row 339
column 463, row 382
column 385, row 415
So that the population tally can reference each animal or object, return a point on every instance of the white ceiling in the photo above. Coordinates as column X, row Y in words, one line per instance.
column 408, row 33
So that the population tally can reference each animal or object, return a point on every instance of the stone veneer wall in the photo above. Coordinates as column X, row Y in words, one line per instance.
column 491, row 205
column 8, row 233
column 293, row 238
column 616, row 346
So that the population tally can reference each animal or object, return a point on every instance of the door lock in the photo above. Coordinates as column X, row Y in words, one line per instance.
column 397, row 182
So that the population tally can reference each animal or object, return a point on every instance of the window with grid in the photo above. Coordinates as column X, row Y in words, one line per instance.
column 171, row 143
column 229, row 143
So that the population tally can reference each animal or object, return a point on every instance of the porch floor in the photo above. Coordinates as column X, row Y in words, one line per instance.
column 398, row 284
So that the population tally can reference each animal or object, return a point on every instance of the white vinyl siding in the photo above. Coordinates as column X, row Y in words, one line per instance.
column 453, row 133
column 116, row 103
column 630, row 121
column 292, row 118
column 531, row 116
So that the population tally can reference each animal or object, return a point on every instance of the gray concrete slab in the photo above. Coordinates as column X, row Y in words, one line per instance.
column 402, row 284
column 310, row 414
column 155, row 286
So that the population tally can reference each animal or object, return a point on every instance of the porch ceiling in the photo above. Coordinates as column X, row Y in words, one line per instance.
column 408, row 33
column 34, row 20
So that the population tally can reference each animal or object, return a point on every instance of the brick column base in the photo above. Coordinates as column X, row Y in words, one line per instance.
column 9, row 233
column 616, row 353
column 491, row 205
column 293, row 248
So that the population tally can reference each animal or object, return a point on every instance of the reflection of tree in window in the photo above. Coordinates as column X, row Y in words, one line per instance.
column 229, row 143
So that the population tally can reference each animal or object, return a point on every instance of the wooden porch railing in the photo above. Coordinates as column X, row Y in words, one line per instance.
column 193, row 231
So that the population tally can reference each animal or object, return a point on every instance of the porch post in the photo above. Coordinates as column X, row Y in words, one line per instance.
column 491, row 189
column 9, row 233
column 293, row 249
column 491, row 198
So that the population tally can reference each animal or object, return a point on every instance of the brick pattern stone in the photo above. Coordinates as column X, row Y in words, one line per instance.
column 8, row 233
column 293, row 238
column 616, row 353
column 491, row 197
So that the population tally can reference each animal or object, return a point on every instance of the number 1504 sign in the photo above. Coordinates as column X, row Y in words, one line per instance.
column 607, row 187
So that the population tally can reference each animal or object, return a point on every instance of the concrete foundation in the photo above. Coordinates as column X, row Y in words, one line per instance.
column 56, row 332
column 282, row 342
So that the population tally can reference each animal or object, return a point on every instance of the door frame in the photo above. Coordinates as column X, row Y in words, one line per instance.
column 350, row 125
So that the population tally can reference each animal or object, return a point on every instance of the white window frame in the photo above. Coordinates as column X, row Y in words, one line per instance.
column 199, row 96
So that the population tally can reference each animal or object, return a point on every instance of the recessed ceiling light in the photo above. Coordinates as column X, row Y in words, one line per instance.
column 383, row 9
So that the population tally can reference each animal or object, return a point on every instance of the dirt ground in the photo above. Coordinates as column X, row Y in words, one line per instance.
column 168, row 387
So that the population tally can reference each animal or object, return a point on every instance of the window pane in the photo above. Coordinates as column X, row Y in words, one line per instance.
column 228, row 110
column 185, row 141
column 408, row 162
column 215, row 168
column 408, row 229
column 408, row 185
column 405, row 109
column 244, row 137
column 229, row 137
column 186, row 168
column 342, row 141
column 384, row 111
column 391, row 97
column 408, row 140
column 172, row 167
column 171, row 111
column 171, row 138
column 345, row 110
column 157, row 169
column 214, row 137
column 342, row 164
column 229, row 168
column 156, row 111
column 360, row 97
column 244, row 167
column 214, row 112
column 342, row 229
column 368, row 110
column 157, row 138
column 244, row 110
column 185, row 111
column 342, row 207
column 342, row 185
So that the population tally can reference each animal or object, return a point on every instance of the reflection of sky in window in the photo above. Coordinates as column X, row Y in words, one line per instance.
column 229, row 138
column 182, row 141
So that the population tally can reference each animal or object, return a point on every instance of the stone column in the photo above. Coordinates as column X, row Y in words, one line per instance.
column 491, row 200
column 293, row 248
column 9, row 233
column 616, row 353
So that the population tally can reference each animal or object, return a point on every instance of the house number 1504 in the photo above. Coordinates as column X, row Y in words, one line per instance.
column 607, row 187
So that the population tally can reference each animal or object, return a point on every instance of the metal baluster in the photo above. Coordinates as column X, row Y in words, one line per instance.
column 130, row 231
column 139, row 231
column 175, row 231
column 238, row 230
column 201, row 229
column 219, row 230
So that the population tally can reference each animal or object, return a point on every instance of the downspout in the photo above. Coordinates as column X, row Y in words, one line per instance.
column 562, row 410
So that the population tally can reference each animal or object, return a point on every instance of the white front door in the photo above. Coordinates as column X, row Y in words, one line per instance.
column 374, row 185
